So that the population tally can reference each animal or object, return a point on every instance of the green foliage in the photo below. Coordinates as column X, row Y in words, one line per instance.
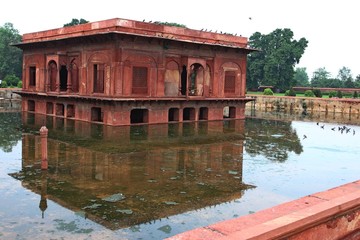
column 3, row 84
column 317, row 93
column 344, row 74
column 12, row 80
column 355, row 94
column 10, row 56
column 75, row 22
column 19, row 85
column 319, row 77
column 171, row 24
column 309, row 93
column 301, row 78
column 349, row 83
column 357, row 81
column 268, row 91
column 339, row 94
column 274, row 64
column 332, row 94
column 290, row 92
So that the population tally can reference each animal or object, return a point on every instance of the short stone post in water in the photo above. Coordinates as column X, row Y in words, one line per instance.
column 44, row 154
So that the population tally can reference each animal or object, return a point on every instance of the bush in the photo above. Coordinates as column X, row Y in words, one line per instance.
column 317, row 93
column 3, row 84
column 339, row 94
column 290, row 92
column 268, row 91
column 11, row 80
column 19, row 85
column 332, row 94
column 309, row 93
column 355, row 95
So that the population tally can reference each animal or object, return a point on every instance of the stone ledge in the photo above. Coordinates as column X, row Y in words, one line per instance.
column 335, row 211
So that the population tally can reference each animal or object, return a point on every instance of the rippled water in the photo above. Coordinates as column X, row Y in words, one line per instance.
column 152, row 182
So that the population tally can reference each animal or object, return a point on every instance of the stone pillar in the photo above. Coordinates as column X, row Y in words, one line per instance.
column 47, row 80
column 44, row 157
column 69, row 80
column 57, row 83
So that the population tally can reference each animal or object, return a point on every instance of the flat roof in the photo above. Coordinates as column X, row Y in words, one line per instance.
column 137, row 28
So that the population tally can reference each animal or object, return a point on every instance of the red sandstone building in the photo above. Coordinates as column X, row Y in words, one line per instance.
column 121, row 72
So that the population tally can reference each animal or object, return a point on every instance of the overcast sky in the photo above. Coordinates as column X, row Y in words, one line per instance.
column 331, row 27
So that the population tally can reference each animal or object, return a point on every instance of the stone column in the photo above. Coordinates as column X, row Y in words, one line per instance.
column 44, row 154
column 69, row 80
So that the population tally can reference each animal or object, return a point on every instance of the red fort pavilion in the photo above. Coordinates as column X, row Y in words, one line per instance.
column 123, row 72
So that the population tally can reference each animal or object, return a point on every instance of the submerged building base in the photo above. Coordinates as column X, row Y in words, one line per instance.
column 127, row 111
column 332, row 214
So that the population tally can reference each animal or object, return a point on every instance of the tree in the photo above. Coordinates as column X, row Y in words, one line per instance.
column 274, row 64
column 10, row 56
column 11, row 80
column 357, row 81
column 346, row 77
column 320, row 77
column 75, row 22
column 301, row 78
column 344, row 74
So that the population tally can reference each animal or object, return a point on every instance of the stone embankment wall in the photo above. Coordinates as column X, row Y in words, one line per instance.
column 7, row 94
column 307, row 104
column 9, row 101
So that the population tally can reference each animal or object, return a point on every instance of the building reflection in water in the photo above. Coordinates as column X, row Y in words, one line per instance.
column 124, row 176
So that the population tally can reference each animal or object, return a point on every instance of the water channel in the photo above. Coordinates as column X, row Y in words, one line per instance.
column 155, row 181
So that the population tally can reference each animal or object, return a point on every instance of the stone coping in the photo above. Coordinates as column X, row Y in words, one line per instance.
column 284, row 219
column 133, row 27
